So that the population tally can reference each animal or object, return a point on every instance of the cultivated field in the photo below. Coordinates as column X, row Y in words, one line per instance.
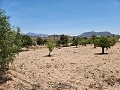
column 69, row 68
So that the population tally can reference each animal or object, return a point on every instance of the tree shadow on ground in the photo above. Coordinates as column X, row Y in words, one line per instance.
column 48, row 56
column 101, row 53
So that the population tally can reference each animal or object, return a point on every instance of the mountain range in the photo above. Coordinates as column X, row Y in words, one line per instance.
column 89, row 34
column 85, row 34
column 37, row 35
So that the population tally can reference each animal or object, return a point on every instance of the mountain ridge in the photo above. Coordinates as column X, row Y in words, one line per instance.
column 38, row 35
column 85, row 34
column 90, row 34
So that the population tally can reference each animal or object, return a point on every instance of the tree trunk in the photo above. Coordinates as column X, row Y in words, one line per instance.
column 76, row 46
column 49, row 54
column 103, row 50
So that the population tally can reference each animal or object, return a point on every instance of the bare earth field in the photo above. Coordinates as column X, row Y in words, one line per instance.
column 69, row 68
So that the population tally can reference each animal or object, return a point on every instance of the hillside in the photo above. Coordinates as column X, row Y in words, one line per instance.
column 38, row 35
column 89, row 34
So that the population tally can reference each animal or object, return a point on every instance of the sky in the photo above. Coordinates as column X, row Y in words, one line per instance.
column 69, row 17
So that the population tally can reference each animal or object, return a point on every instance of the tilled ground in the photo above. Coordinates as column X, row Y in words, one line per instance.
column 69, row 68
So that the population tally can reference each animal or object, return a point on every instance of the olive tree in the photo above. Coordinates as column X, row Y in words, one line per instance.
column 104, row 42
column 39, row 41
column 10, row 41
column 64, row 40
column 26, row 41
column 76, row 42
column 50, row 45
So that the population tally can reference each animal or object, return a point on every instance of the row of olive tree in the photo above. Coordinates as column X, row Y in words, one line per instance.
column 28, row 41
column 103, row 42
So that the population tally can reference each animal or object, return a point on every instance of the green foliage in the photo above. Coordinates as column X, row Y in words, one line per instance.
column 50, row 45
column 10, row 41
column 66, row 45
column 104, row 42
column 85, row 40
column 26, row 41
column 39, row 41
column 95, row 42
column 94, row 37
column 64, row 40
column 113, row 40
column 58, row 43
column 75, row 42
column 44, row 41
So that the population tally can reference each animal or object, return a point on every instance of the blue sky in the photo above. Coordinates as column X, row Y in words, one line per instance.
column 64, row 16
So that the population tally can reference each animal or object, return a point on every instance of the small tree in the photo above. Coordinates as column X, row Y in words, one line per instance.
column 50, row 45
column 58, row 43
column 64, row 40
column 26, row 41
column 44, row 41
column 39, row 41
column 83, row 42
column 103, row 42
column 76, row 42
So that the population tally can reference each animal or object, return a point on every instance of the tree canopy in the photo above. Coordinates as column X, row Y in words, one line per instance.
column 10, row 40
column 104, row 42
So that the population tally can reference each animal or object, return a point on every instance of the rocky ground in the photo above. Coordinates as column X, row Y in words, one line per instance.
column 69, row 68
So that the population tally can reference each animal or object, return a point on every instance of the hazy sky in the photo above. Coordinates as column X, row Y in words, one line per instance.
column 64, row 16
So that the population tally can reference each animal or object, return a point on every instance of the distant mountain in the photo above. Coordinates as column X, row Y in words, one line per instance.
column 89, row 34
column 38, row 35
